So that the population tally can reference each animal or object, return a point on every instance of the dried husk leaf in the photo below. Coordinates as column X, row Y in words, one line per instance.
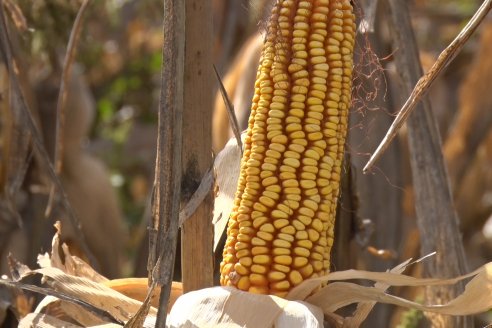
column 226, row 306
column 364, row 308
column 100, row 296
column 307, row 287
column 50, row 305
column 300, row 314
column 80, row 315
column 476, row 298
column 227, row 166
column 44, row 321
column 67, row 263
column 134, row 288
column 199, row 307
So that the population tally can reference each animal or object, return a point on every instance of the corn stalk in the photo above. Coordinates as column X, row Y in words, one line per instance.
column 436, row 217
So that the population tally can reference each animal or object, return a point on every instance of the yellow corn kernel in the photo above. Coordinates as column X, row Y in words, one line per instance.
column 280, row 230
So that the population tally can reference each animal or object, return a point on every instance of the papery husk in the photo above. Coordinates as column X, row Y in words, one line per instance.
column 44, row 321
column 71, row 276
column 227, row 165
column 100, row 296
column 230, row 307
column 364, row 308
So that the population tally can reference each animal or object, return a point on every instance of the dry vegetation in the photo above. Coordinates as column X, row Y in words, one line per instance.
column 105, row 160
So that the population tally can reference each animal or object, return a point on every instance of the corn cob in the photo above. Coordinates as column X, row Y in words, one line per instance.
column 280, row 231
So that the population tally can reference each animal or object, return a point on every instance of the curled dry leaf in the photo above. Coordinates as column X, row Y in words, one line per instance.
column 364, row 308
column 67, row 262
column 391, row 278
column 476, row 298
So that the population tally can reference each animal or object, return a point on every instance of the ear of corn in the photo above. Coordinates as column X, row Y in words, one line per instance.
column 281, row 229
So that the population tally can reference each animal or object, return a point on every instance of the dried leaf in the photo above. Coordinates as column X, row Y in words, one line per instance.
column 302, row 291
column 50, row 305
column 89, row 308
column 364, row 308
column 70, row 264
column 83, row 296
column 79, row 315
column 476, row 298
column 119, row 306
column 227, row 165
column 79, row 268
column 44, row 321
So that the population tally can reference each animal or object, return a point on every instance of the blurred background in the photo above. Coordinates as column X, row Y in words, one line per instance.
column 111, row 129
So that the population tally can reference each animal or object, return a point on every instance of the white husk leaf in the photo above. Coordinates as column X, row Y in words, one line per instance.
column 226, row 306
column 300, row 314
column 227, row 166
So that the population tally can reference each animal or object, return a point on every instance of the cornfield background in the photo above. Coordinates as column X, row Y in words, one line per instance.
column 96, row 67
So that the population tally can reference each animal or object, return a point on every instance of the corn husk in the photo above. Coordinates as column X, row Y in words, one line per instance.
column 218, row 306
column 227, row 166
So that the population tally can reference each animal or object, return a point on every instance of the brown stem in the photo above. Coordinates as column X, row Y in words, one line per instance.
column 168, row 163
